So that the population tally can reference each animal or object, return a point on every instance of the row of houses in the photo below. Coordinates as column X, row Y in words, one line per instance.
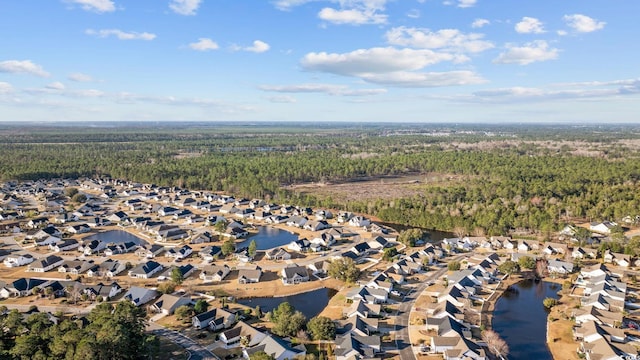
column 599, row 320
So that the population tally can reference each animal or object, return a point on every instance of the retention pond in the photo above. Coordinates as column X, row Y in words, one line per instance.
column 521, row 319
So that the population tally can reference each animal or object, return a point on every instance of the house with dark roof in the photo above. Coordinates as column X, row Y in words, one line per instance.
column 215, row 319
column 48, row 263
column 294, row 275
column 145, row 270
column 231, row 338
column 140, row 296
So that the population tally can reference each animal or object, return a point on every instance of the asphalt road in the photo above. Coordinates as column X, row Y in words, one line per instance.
column 196, row 351
column 403, row 343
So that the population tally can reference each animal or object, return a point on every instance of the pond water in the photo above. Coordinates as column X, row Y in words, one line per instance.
column 310, row 303
column 118, row 236
column 521, row 319
column 268, row 237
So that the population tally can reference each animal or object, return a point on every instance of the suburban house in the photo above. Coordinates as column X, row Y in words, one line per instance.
column 140, row 296
column 121, row 248
column 45, row 264
column 20, row 287
column 278, row 348
column 249, row 275
column 602, row 227
column 301, row 245
column 210, row 253
column 168, row 303
column 109, row 268
column 89, row 247
column 294, row 275
column 179, row 253
column 78, row 229
column 16, row 260
column 617, row 258
column 66, row 245
column 106, row 291
column 214, row 273
column 356, row 346
column 145, row 270
column 215, row 319
column 150, row 251
column 185, row 271
column 277, row 254
column 202, row 238
column 231, row 338
column 76, row 267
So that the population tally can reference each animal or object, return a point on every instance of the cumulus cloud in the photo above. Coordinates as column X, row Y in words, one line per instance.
column 446, row 39
column 531, row 52
column 257, row 47
column 80, row 77
column 329, row 89
column 122, row 35
column 529, row 25
column 583, row 24
column 185, row 7
column 352, row 16
column 99, row 6
column 22, row 67
column 478, row 23
column 56, row 86
column 374, row 60
column 204, row 44
column 5, row 87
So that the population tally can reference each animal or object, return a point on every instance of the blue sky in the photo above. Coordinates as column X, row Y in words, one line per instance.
column 572, row 61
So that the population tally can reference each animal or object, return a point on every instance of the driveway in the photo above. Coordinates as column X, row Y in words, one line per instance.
column 196, row 351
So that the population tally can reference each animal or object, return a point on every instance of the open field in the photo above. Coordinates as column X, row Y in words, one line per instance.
column 384, row 187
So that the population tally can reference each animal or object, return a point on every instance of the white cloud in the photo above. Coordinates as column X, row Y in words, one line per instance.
column 5, row 88
column 56, row 86
column 204, row 44
column 461, row 3
column 99, row 6
column 446, row 39
column 80, row 77
column 428, row 79
column 185, row 7
column 352, row 16
column 374, row 60
column 257, row 47
column 329, row 89
column 583, row 24
column 22, row 67
column 478, row 23
column 529, row 25
column 531, row 52
column 122, row 35
column 562, row 33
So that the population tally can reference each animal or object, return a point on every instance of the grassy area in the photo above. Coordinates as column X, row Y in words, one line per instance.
column 171, row 351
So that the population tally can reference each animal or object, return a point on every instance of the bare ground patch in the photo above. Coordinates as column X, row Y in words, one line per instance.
column 378, row 187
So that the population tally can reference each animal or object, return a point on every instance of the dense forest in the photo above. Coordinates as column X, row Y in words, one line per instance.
column 108, row 332
column 523, row 180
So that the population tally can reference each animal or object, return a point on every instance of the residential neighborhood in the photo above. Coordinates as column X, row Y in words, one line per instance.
column 167, row 249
